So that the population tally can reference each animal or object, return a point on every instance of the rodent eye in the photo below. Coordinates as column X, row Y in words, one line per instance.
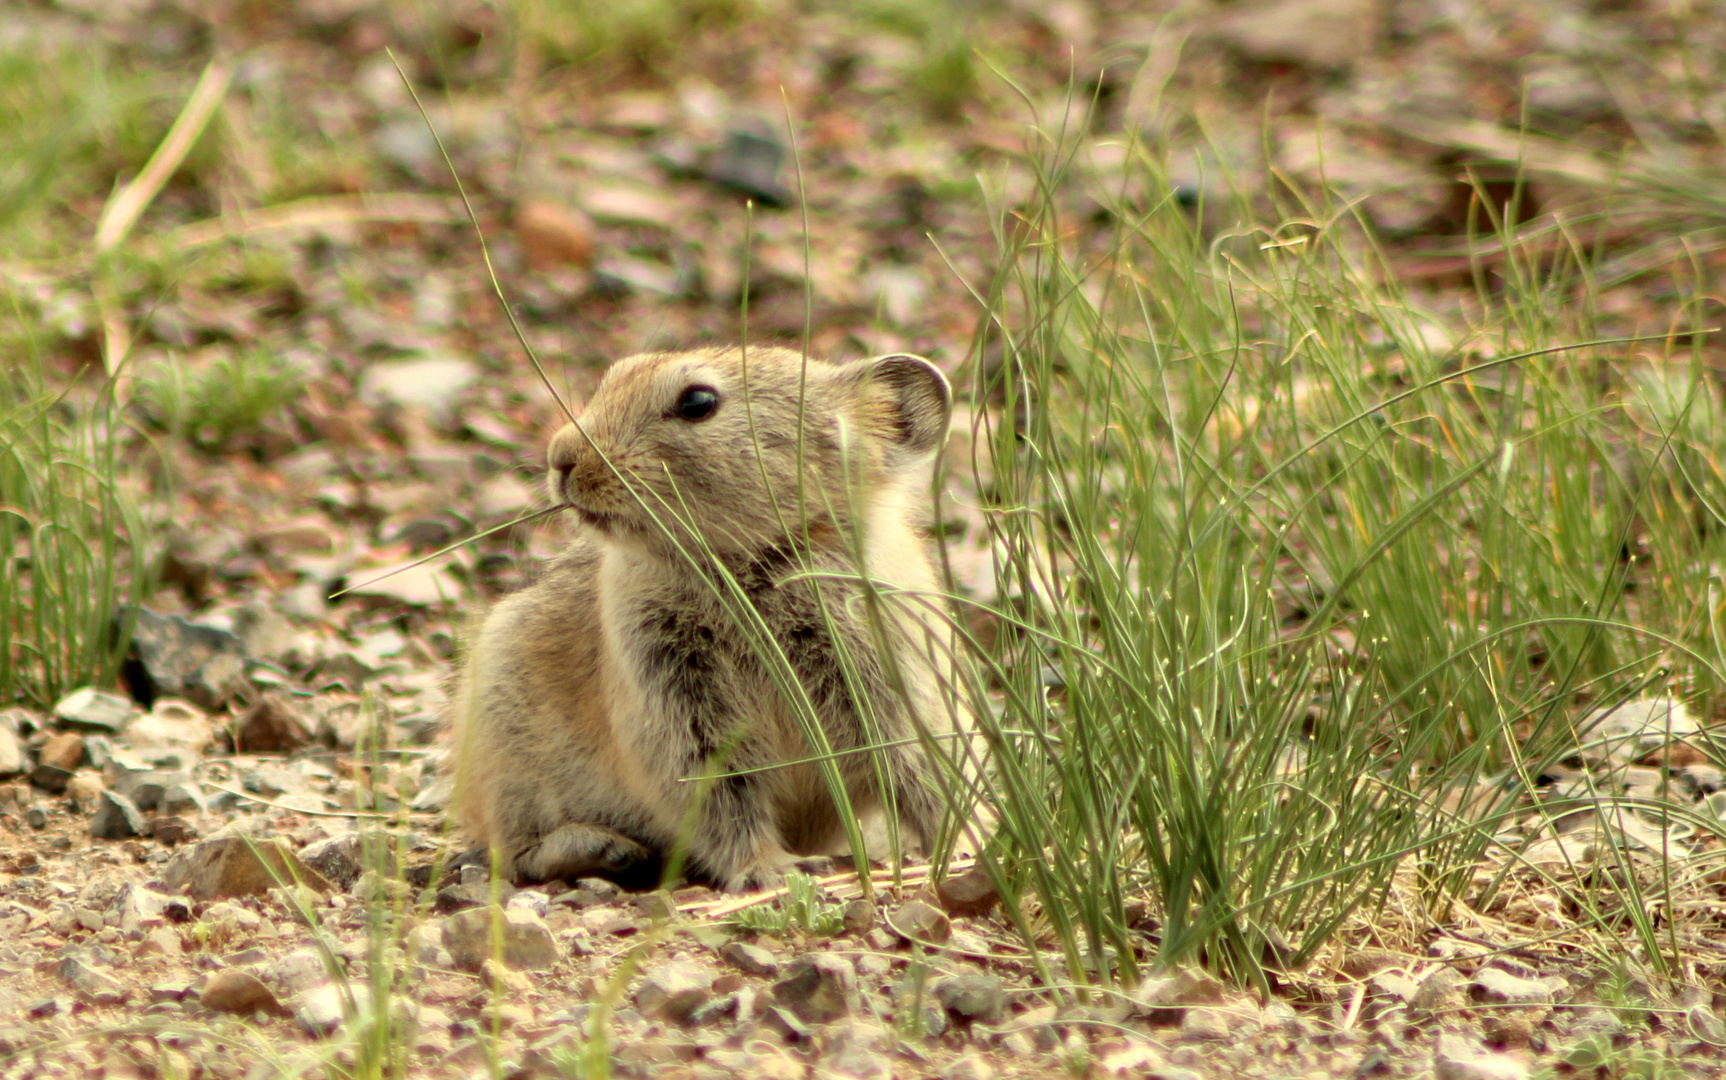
column 697, row 403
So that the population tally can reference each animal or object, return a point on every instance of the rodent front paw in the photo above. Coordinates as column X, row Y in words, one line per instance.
column 577, row 850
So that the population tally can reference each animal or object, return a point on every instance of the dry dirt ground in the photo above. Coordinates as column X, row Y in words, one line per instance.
column 139, row 933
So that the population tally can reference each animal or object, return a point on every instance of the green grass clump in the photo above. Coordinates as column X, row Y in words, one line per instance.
column 77, row 547
column 218, row 402
column 1325, row 599
column 645, row 32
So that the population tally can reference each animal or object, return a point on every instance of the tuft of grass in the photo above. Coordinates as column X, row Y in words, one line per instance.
column 941, row 73
column 644, row 32
column 215, row 403
column 77, row 549
column 1322, row 600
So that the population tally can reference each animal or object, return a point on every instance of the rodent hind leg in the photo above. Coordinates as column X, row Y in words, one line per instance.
column 736, row 843
column 581, row 850
column 920, row 804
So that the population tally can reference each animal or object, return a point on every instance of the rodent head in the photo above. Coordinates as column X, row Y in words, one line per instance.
column 712, row 439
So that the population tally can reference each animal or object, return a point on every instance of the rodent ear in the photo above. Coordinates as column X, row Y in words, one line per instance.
column 917, row 402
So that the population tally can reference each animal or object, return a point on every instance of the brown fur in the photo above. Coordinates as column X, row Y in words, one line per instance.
column 589, row 697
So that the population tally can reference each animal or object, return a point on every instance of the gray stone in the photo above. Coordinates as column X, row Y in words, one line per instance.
column 432, row 384
column 89, row 709
column 674, row 991
column 236, row 866
column 750, row 959
column 1206, row 1025
column 786, row 1024
column 204, row 664
column 818, row 987
column 146, row 787
column 1494, row 987
column 527, row 944
column 321, row 1010
column 339, row 858
column 235, row 991
column 172, row 830
column 273, row 724
column 981, row 998
column 1454, row 1058
column 83, row 971
column 973, row 1066
column 116, row 818
column 434, row 796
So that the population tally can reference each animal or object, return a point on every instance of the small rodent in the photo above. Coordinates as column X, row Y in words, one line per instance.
column 590, row 697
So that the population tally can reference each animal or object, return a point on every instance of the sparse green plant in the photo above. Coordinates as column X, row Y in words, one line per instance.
column 77, row 542
column 214, row 401
column 802, row 908
column 644, row 32
column 941, row 74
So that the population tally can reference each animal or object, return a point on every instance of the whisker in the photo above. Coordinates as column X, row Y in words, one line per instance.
column 440, row 552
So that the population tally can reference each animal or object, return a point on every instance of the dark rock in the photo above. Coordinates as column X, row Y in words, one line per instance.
column 50, row 778
column 340, row 858
column 967, row 895
column 90, row 709
column 177, row 658
column 235, row 991
column 116, row 818
column 272, row 725
column 749, row 162
column 818, row 987
column 981, row 998
column 183, row 798
column 236, row 866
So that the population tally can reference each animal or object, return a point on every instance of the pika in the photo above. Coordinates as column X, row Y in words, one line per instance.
column 733, row 506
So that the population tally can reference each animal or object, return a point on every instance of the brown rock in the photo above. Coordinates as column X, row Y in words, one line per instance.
column 967, row 895
column 235, row 991
column 11, row 753
column 859, row 917
column 920, row 922
column 64, row 750
column 237, row 866
column 272, row 725
column 553, row 234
